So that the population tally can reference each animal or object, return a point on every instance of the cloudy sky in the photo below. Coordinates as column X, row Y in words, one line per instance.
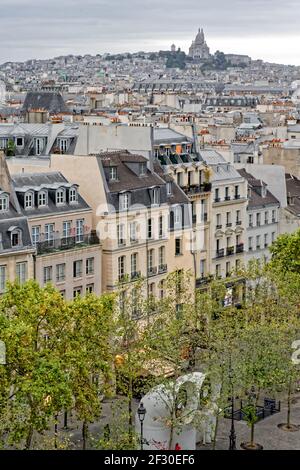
column 266, row 29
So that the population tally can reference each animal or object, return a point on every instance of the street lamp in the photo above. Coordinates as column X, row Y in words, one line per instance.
column 232, row 435
column 141, row 414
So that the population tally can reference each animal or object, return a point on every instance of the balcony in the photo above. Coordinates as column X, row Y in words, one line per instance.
column 203, row 280
column 229, row 250
column 135, row 275
column 152, row 271
column 273, row 221
column 237, row 196
column 197, row 188
column 67, row 243
column 218, row 227
column 227, row 198
column 220, row 253
column 162, row 268
column 239, row 222
column 239, row 248
column 229, row 224
column 133, row 241
column 217, row 199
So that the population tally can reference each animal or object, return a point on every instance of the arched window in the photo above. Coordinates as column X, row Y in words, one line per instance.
column 28, row 201
column 73, row 195
column 16, row 236
column 42, row 198
column 60, row 196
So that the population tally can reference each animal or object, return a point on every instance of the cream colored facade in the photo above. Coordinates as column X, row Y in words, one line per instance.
column 14, row 262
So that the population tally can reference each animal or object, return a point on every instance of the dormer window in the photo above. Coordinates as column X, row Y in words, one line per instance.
column 42, row 199
column 169, row 189
column 124, row 201
column 28, row 201
column 15, row 236
column 4, row 203
column 113, row 173
column 156, row 193
column 73, row 196
column 20, row 142
column 60, row 196
column 143, row 168
column 263, row 191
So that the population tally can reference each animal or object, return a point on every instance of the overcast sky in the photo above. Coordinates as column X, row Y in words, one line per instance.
column 266, row 29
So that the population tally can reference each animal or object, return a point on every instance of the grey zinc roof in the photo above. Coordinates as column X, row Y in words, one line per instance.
column 20, row 223
column 48, row 101
column 163, row 135
column 255, row 199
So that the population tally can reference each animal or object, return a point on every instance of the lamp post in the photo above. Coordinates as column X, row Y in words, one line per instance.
column 232, row 435
column 141, row 414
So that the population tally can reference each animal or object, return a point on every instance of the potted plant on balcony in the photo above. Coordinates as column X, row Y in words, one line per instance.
column 207, row 176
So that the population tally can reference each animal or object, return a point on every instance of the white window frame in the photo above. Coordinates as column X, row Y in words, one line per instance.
column 73, row 196
column 2, row 278
column 90, row 266
column 42, row 199
column 21, row 272
column 28, row 200
column 60, row 196
column 4, row 203
column 35, row 234
column 79, row 230
column 47, row 274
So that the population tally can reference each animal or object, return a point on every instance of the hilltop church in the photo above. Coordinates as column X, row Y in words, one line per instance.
column 199, row 49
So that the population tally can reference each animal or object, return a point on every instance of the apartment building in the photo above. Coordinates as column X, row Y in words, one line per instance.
column 141, row 215
column 16, row 249
column 179, row 160
column 228, row 215
column 263, row 218
column 67, row 251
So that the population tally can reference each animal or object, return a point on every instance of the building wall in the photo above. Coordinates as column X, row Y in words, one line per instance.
column 287, row 157
column 10, row 261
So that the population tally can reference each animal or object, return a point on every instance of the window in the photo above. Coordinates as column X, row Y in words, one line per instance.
column 236, row 192
column 273, row 237
column 161, row 226
column 179, row 179
column 150, row 259
column 19, row 142
column 133, row 263
column 2, row 278
column 238, row 217
column 60, row 272
column 143, row 169
column 113, row 173
column 28, row 201
column 228, row 219
column 152, row 289
column 237, row 264
column 77, row 292
column 67, row 228
column 150, row 233
column 132, row 229
column 250, row 220
column 4, row 203
column 89, row 266
column 273, row 216
column 63, row 293
column 124, row 201
column 63, row 145
column 178, row 243
column 60, row 196
column 121, row 267
column 250, row 240
column 21, row 272
column 266, row 217
column 258, row 219
column 217, row 195
column 89, row 288
column 161, row 287
column 202, row 267
column 73, row 196
column 77, row 268
column 42, row 198
column 227, row 197
column 47, row 274
column 218, row 270
column 169, row 189
column 228, row 268
column 49, row 232
column 35, row 234
column 219, row 221
column 161, row 256
column 177, row 215
column 266, row 240
column 79, row 230
column 16, row 238
column 258, row 242
column 134, row 303
column 121, row 234
column 156, row 196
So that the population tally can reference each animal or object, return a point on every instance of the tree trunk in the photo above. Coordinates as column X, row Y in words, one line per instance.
column 29, row 438
column 85, row 429
column 55, row 431
column 252, row 435
column 130, row 414
column 289, row 408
